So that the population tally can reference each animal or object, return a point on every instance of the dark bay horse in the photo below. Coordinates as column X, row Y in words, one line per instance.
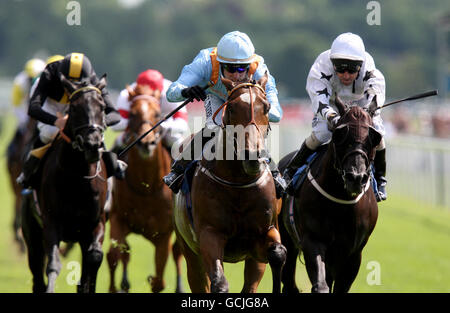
column 142, row 203
column 332, row 215
column 71, row 192
column 18, row 149
column 234, row 206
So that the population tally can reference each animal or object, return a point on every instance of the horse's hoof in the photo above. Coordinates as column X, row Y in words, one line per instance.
column 157, row 284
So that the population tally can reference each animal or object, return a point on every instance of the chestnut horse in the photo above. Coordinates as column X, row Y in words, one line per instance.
column 71, row 192
column 142, row 203
column 234, row 206
column 333, row 213
column 18, row 149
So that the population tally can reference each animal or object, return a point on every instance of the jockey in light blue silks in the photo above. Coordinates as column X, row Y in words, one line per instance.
column 234, row 58
column 348, row 71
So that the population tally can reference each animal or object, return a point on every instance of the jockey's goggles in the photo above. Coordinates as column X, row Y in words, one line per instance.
column 233, row 68
column 344, row 65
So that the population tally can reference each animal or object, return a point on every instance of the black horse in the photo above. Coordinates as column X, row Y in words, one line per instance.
column 333, row 213
column 71, row 193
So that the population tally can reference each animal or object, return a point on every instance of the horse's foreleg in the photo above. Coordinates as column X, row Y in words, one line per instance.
column 276, row 255
column 253, row 273
column 92, row 256
column 32, row 233
column 177, row 257
column 288, row 272
column 314, row 253
column 211, row 245
column 196, row 274
column 119, row 249
column 347, row 274
column 162, row 250
column 52, row 250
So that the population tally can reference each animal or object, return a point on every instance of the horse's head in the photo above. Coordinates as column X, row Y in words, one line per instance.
column 86, row 122
column 354, row 140
column 246, row 114
column 144, row 114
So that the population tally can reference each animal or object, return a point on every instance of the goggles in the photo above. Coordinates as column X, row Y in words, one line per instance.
column 343, row 65
column 233, row 68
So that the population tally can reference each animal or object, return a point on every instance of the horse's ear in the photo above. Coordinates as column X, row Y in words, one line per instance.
column 102, row 82
column 69, row 86
column 263, row 80
column 374, row 136
column 131, row 92
column 229, row 84
column 342, row 108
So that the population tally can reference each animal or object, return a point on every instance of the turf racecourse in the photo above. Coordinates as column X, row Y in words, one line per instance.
column 408, row 252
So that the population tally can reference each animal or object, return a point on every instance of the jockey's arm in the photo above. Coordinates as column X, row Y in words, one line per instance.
column 319, row 91
column 275, row 112
column 375, row 85
column 196, row 73
column 38, row 97
column 123, row 106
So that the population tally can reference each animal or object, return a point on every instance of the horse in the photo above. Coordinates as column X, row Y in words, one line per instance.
column 18, row 148
column 71, row 192
column 142, row 203
column 332, row 215
column 234, row 206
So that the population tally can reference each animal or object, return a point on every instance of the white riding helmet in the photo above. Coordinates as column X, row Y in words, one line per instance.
column 348, row 46
column 34, row 67
column 235, row 48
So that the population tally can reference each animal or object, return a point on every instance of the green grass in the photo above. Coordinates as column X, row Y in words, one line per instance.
column 410, row 243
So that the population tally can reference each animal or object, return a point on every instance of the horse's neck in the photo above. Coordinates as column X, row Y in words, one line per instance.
column 326, row 174
column 151, row 168
column 73, row 160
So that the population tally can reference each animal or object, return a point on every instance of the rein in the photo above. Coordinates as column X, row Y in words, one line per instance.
column 225, row 104
column 332, row 198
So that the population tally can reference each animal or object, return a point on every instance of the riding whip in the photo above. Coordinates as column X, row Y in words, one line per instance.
column 419, row 96
column 157, row 124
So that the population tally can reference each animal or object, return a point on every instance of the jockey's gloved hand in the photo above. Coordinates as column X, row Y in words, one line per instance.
column 194, row 92
column 332, row 120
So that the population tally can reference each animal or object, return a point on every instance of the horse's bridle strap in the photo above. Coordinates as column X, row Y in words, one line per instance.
column 334, row 199
column 82, row 89
column 224, row 182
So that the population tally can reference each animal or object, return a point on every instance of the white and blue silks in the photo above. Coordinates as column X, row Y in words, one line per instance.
column 199, row 73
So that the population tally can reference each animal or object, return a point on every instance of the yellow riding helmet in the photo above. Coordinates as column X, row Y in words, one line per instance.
column 54, row 58
column 34, row 67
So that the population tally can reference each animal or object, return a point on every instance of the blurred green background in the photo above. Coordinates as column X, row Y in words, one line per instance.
column 125, row 37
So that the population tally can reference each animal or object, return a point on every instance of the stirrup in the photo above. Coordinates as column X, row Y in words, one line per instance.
column 173, row 181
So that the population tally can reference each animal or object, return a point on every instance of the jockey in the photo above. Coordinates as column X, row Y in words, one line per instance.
column 348, row 71
column 49, row 105
column 21, row 90
column 174, row 127
column 234, row 58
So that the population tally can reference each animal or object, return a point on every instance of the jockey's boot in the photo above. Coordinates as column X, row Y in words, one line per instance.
column 114, row 166
column 175, row 177
column 297, row 161
column 380, row 174
column 280, row 183
column 30, row 167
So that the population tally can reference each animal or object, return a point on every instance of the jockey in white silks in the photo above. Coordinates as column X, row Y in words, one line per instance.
column 233, row 58
column 348, row 71
column 21, row 90
column 174, row 128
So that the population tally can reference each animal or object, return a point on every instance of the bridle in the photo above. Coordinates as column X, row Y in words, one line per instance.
column 158, row 134
column 339, row 162
column 225, row 104
column 77, row 144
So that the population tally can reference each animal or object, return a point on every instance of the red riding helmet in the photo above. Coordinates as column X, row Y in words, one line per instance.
column 151, row 78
